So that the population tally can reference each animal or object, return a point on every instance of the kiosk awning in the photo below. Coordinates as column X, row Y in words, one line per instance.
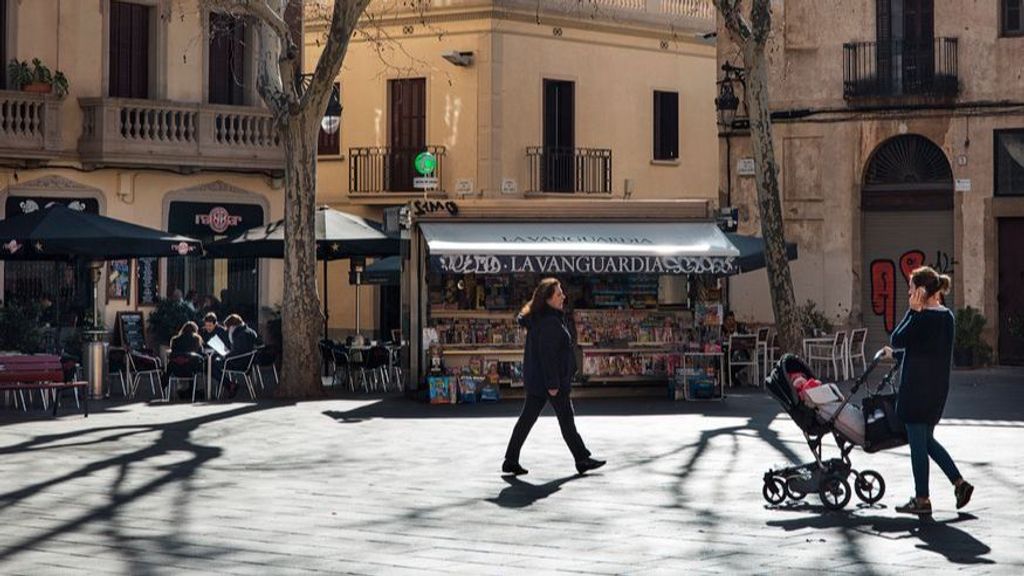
column 579, row 247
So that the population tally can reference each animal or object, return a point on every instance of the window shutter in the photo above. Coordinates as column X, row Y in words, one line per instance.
column 128, row 50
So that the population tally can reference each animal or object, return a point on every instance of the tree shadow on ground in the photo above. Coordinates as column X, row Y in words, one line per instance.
column 940, row 537
column 174, row 439
column 521, row 494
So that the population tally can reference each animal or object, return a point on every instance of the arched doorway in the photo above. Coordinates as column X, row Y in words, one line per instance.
column 906, row 222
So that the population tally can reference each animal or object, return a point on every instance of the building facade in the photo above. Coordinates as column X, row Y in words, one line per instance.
column 523, row 103
column 899, row 133
column 161, row 126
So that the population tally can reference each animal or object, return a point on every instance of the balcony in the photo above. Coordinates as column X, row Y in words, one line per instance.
column 186, row 136
column 900, row 69
column 386, row 173
column 29, row 125
column 569, row 170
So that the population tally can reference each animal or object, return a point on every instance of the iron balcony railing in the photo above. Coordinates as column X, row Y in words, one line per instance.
column 897, row 68
column 570, row 170
column 383, row 169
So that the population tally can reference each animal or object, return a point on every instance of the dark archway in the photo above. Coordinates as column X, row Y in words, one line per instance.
column 906, row 222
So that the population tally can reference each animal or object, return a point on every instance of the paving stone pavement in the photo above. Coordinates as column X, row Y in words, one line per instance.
column 389, row 486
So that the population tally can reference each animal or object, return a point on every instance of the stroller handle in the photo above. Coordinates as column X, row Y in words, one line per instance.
column 878, row 357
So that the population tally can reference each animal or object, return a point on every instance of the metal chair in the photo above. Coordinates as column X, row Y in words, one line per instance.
column 265, row 357
column 140, row 365
column 855, row 349
column 832, row 354
column 239, row 366
column 183, row 366
column 377, row 363
column 117, row 366
column 743, row 353
column 762, row 347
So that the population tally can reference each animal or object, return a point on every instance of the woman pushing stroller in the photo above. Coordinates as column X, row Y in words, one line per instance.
column 923, row 341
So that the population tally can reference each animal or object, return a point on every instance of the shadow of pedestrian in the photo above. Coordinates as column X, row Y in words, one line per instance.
column 940, row 537
column 520, row 494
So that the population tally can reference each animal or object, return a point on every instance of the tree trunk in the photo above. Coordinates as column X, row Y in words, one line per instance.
column 780, row 281
column 301, row 318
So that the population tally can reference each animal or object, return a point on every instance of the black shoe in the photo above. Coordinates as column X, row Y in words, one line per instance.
column 963, row 494
column 587, row 464
column 915, row 506
column 513, row 468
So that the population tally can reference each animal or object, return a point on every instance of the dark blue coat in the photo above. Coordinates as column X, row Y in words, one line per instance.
column 549, row 359
column 926, row 338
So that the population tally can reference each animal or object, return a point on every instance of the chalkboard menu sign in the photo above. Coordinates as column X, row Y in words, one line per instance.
column 147, row 281
column 131, row 330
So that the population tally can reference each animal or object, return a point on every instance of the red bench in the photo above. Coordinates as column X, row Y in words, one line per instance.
column 41, row 372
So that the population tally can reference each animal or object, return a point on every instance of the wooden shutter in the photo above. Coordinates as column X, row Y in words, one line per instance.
column 129, row 50
column 228, row 56
column 666, row 125
column 3, row 43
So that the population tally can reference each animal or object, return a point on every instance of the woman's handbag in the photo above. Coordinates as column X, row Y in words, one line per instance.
column 883, row 428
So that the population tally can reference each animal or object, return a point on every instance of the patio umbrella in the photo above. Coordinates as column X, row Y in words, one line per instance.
column 58, row 233
column 752, row 252
column 339, row 235
column 383, row 272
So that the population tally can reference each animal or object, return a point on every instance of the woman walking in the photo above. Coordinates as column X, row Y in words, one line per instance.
column 549, row 364
column 925, row 336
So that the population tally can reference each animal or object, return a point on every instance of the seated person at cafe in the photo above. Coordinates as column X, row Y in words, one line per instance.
column 241, row 340
column 212, row 328
column 186, row 341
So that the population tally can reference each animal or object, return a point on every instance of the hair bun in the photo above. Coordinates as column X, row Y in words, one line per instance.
column 944, row 283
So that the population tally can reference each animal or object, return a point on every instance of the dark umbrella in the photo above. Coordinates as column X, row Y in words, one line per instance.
column 383, row 272
column 60, row 233
column 752, row 252
column 338, row 235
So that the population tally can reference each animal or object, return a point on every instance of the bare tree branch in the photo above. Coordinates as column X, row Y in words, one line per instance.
column 735, row 23
column 258, row 9
column 761, row 20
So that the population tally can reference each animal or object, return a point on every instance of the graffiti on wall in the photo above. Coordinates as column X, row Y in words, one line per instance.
column 883, row 281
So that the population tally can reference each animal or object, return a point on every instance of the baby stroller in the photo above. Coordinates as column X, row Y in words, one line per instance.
column 874, row 426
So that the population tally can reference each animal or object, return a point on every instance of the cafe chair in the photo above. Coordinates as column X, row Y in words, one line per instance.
column 830, row 355
column 743, row 354
column 378, row 364
column 335, row 358
column 265, row 358
column 762, row 347
column 139, row 366
column 239, row 366
column 858, row 338
column 183, row 366
column 117, row 367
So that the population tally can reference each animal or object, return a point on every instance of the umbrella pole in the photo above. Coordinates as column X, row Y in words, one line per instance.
column 325, row 299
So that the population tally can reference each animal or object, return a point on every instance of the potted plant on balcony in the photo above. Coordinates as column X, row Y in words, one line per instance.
column 38, row 79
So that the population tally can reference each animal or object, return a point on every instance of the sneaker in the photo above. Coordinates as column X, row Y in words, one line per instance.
column 914, row 506
column 963, row 494
column 582, row 466
column 513, row 468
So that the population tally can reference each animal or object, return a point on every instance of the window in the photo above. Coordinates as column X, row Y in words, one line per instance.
column 666, row 125
column 1009, row 162
column 329, row 144
column 129, row 50
column 3, row 43
column 1012, row 17
column 228, row 58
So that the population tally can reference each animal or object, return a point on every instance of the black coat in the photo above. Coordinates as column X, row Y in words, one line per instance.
column 549, row 360
column 187, row 343
column 926, row 338
column 243, row 340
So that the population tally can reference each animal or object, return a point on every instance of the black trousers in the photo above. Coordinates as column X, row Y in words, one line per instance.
column 566, row 421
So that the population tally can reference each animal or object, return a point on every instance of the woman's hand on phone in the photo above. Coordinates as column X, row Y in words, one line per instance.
column 887, row 352
column 917, row 299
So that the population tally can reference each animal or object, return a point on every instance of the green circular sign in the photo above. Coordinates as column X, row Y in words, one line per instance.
column 426, row 163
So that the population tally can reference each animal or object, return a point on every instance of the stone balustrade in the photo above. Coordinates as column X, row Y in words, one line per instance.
column 29, row 125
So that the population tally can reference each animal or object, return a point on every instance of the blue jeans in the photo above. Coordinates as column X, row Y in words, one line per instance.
column 922, row 446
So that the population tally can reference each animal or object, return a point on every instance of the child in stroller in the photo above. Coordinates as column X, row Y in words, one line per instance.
column 821, row 409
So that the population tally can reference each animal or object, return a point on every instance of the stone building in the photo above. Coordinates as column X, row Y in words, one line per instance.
column 899, row 132
column 161, row 126
column 523, row 103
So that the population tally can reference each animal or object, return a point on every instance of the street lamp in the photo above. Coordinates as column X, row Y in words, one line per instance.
column 332, row 116
column 727, row 103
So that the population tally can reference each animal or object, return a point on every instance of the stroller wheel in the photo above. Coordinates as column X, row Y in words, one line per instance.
column 795, row 494
column 834, row 492
column 870, row 486
column 774, row 491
